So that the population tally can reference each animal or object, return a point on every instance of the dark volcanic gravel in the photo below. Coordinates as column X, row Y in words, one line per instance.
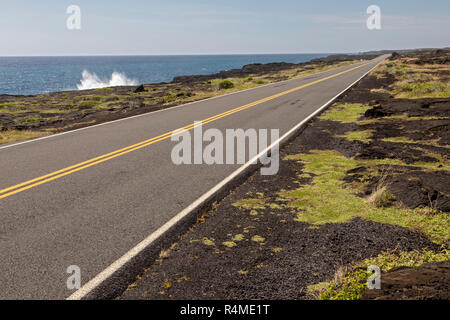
column 253, row 271
column 277, row 257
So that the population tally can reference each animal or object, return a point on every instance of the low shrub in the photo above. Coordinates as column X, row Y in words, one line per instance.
column 226, row 84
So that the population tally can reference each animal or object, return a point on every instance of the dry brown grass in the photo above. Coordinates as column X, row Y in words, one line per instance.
column 16, row 135
column 380, row 197
column 166, row 253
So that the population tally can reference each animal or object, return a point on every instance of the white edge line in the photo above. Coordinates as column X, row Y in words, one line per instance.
column 165, row 109
column 116, row 265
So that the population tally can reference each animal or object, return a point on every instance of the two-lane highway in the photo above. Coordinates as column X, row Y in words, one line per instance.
column 87, row 197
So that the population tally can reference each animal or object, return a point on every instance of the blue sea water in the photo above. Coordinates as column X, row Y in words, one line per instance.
column 33, row 75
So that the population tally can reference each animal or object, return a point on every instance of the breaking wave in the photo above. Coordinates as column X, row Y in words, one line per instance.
column 92, row 81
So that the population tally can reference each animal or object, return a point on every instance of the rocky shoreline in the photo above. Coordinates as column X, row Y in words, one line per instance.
column 259, row 69
column 23, row 117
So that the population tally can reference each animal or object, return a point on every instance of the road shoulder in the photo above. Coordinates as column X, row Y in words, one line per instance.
column 342, row 199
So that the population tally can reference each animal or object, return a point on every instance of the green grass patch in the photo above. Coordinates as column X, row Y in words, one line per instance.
column 11, row 104
column 345, row 113
column 89, row 103
column 318, row 287
column 363, row 135
column 251, row 203
column 429, row 89
column 399, row 140
column 16, row 111
column 403, row 117
column 353, row 284
column 169, row 98
column 56, row 111
column 352, row 113
column 412, row 83
column 104, row 106
column 14, row 107
column 88, row 98
column 442, row 161
column 393, row 68
column 326, row 199
column 434, row 142
column 28, row 119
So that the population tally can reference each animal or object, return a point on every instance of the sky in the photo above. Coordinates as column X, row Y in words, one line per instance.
column 139, row 27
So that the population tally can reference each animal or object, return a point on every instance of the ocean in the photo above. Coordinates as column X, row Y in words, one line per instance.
column 34, row 75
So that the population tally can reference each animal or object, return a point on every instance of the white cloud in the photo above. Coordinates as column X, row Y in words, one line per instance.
column 388, row 21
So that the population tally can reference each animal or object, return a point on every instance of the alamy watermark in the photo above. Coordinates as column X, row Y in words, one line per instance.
column 374, row 20
column 374, row 280
column 236, row 147
column 73, row 22
column 74, row 280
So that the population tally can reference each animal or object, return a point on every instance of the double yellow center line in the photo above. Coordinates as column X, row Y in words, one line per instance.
column 92, row 162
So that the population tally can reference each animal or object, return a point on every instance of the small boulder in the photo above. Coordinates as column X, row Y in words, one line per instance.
column 140, row 89
column 375, row 112
column 394, row 55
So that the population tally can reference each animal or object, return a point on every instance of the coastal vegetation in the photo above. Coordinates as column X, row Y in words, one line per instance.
column 367, row 183
column 25, row 117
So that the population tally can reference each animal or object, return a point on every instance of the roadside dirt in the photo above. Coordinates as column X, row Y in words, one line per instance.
column 252, row 245
column 277, row 257
column 424, row 123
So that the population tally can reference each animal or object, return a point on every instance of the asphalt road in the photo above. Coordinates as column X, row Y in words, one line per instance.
column 92, row 216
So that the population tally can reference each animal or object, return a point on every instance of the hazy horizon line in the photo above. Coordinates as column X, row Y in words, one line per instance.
column 214, row 54
column 172, row 54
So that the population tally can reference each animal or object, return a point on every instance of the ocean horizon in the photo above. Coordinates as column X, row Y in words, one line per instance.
column 29, row 75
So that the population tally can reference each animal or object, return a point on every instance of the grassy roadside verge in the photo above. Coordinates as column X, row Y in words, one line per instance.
column 365, row 183
column 25, row 117
column 350, row 283
column 411, row 78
